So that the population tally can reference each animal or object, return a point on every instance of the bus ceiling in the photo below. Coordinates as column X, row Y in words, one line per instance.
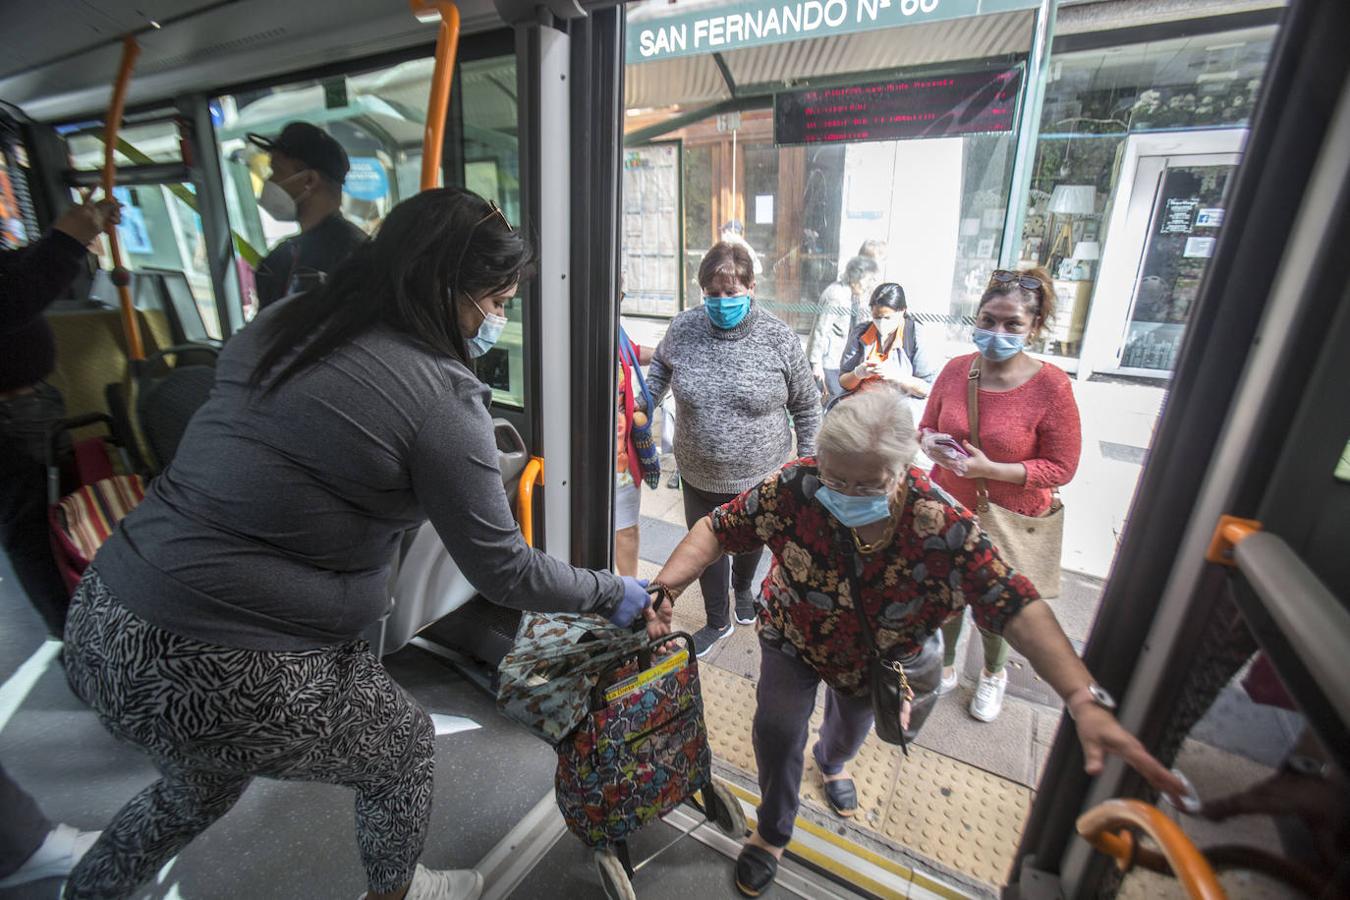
column 58, row 67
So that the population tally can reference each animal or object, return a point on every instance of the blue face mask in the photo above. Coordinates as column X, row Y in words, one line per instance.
column 727, row 312
column 854, row 511
column 487, row 335
column 997, row 345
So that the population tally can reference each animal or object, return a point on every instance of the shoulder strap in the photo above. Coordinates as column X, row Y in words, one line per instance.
column 973, row 417
column 854, row 568
column 629, row 352
column 910, row 339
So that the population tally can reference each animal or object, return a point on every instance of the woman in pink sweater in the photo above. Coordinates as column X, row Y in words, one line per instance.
column 1029, row 435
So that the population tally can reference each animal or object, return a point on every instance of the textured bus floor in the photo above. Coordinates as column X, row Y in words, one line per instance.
column 283, row 839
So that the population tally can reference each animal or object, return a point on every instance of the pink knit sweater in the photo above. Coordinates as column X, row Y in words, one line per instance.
column 1035, row 424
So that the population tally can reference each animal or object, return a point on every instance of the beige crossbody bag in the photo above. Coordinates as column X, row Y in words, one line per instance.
column 1030, row 544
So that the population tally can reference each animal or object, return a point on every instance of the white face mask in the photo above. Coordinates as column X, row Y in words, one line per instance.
column 277, row 203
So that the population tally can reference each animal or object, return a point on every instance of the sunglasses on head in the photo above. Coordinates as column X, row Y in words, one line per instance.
column 493, row 211
column 1004, row 276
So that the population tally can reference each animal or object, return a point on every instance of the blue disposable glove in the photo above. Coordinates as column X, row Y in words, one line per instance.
column 635, row 600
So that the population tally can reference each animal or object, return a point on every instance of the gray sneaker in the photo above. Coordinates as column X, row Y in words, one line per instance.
column 707, row 636
column 745, row 607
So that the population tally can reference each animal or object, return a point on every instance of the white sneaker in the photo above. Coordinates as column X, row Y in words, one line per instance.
column 949, row 680
column 63, row 848
column 443, row 884
column 988, row 700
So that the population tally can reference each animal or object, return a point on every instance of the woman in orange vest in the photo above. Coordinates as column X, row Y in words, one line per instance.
column 887, row 348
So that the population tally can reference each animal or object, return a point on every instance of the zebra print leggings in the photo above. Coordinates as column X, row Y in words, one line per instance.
column 212, row 717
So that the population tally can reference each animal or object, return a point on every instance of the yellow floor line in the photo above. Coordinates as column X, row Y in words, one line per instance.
column 850, row 875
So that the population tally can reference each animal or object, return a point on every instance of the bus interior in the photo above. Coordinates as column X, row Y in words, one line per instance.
column 1207, row 539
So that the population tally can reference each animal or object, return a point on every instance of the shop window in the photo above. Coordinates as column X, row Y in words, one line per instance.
column 1094, row 102
column 651, row 230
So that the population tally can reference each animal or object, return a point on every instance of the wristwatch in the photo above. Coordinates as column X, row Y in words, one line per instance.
column 1096, row 693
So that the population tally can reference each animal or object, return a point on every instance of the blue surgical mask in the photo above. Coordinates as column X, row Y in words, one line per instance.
column 854, row 511
column 487, row 335
column 997, row 345
column 727, row 312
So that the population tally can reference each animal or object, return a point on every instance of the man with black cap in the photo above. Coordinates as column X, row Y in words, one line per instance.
column 305, row 186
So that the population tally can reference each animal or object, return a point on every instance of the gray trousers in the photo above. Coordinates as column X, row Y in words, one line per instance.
column 23, row 827
column 784, row 700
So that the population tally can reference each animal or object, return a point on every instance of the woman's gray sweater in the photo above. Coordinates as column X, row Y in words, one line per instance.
column 734, row 390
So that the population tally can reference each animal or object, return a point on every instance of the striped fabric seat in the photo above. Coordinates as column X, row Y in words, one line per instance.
column 83, row 520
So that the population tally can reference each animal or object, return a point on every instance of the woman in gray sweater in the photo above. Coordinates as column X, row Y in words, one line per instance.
column 219, row 627
column 742, row 386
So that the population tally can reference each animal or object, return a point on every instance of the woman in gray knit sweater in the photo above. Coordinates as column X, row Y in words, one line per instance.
column 742, row 386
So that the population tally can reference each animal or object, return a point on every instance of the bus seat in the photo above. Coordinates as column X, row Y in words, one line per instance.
column 167, row 401
column 428, row 586
column 168, row 289
column 91, row 352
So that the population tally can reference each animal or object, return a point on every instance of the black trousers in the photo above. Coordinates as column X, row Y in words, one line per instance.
column 24, row 421
column 713, row 581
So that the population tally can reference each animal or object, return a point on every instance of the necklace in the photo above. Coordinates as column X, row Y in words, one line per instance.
column 879, row 544
column 891, row 522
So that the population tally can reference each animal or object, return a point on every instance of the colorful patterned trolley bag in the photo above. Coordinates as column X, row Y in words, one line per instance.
column 641, row 751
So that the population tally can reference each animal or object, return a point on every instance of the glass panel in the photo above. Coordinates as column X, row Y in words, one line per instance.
column 1094, row 99
column 491, row 155
column 651, row 227
column 160, row 231
column 1181, row 236
column 379, row 118
column 148, row 142
column 1206, row 81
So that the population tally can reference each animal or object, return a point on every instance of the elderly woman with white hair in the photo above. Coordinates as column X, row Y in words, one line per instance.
column 918, row 558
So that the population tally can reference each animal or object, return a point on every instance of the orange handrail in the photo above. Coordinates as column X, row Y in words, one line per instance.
column 442, row 74
column 532, row 475
column 120, row 277
column 1109, row 828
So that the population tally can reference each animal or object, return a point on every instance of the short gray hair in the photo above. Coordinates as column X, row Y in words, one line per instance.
column 873, row 419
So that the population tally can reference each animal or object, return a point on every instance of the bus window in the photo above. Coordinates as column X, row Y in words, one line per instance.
column 160, row 229
column 379, row 116
column 376, row 116
column 491, row 156
column 160, row 226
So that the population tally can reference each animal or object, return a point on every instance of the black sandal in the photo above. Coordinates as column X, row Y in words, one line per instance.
column 842, row 793
column 756, row 869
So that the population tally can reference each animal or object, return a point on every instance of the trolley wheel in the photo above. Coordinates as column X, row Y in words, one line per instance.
column 613, row 877
column 724, row 810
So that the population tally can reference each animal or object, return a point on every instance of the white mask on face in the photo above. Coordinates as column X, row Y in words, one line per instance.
column 277, row 203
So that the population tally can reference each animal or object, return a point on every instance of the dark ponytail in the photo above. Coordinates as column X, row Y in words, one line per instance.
column 432, row 246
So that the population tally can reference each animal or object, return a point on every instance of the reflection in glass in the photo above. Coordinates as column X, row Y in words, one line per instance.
column 1182, row 231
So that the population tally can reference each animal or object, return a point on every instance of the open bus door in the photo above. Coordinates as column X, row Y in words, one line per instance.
column 1256, row 427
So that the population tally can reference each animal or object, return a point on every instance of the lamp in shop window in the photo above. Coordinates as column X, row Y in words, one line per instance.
column 1085, row 253
column 1068, row 201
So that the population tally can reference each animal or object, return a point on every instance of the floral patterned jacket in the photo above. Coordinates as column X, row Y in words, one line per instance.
column 939, row 562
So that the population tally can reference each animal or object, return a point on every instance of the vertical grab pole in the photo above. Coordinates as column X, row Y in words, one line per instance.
column 447, row 48
column 121, row 278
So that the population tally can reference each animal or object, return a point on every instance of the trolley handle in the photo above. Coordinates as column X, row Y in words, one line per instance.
column 658, row 593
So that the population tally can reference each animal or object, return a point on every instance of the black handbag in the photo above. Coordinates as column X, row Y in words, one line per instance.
column 892, row 682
